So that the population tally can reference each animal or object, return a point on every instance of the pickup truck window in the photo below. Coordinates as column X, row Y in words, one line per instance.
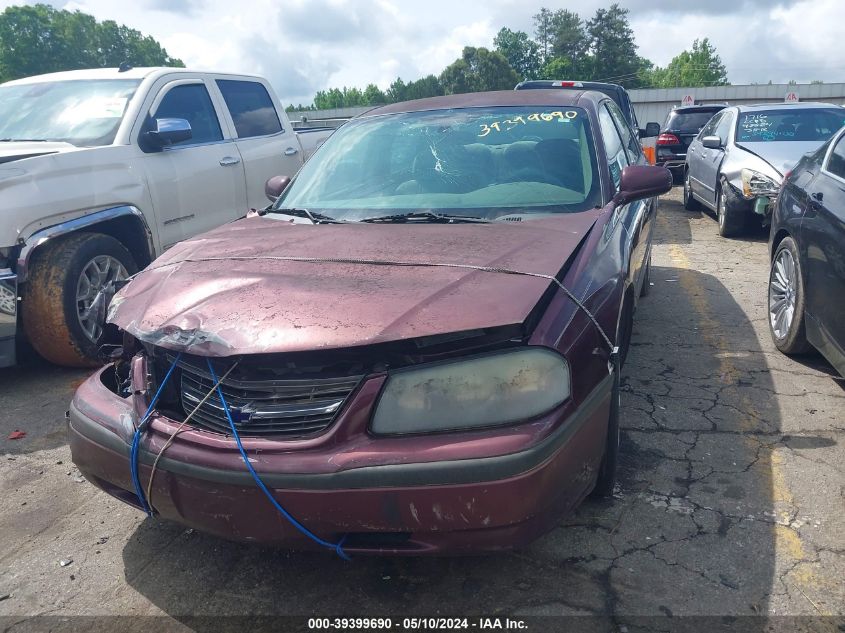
column 491, row 161
column 251, row 108
column 192, row 103
column 84, row 113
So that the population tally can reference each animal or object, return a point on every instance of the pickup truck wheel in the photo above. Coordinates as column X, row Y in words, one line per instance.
column 69, row 287
column 607, row 470
column 690, row 203
column 731, row 214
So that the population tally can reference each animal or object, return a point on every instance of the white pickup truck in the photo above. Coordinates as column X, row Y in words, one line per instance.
column 102, row 170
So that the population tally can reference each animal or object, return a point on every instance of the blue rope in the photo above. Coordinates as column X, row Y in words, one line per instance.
column 136, row 440
column 337, row 547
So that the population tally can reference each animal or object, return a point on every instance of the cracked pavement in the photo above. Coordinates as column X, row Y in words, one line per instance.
column 730, row 501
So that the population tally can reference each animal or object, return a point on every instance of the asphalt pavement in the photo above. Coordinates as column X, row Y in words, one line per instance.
column 730, row 503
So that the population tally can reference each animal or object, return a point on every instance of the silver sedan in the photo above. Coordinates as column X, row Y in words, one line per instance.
column 737, row 162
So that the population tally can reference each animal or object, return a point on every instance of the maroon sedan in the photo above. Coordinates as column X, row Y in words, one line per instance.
column 414, row 350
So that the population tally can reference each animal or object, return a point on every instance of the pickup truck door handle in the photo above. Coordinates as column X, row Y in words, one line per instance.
column 291, row 151
column 228, row 161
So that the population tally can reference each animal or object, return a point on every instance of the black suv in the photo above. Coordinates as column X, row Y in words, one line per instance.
column 682, row 125
column 614, row 91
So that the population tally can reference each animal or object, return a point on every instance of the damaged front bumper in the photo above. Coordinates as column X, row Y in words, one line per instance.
column 460, row 492
column 8, row 316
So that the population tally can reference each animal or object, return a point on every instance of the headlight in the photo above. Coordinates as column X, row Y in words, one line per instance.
column 756, row 184
column 485, row 391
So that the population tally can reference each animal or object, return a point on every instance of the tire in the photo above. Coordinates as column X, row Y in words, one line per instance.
column 690, row 203
column 786, row 300
column 730, row 213
column 646, row 288
column 54, row 313
column 610, row 460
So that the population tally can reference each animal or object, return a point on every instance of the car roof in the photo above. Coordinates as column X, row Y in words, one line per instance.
column 566, row 84
column 709, row 107
column 544, row 98
column 785, row 106
column 109, row 73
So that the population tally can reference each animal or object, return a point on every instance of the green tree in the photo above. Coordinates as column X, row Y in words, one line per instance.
column 428, row 86
column 39, row 39
column 352, row 97
column 396, row 91
column 612, row 50
column 522, row 53
column 543, row 33
column 478, row 69
column 373, row 95
column 700, row 66
column 569, row 40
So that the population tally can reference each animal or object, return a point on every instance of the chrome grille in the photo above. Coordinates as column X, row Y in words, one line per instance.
column 288, row 407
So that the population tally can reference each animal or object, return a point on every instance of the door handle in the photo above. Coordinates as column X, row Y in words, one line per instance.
column 291, row 151
column 228, row 161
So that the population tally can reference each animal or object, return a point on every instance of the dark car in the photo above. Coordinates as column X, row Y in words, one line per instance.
column 807, row 246
column 682, row 125
column 614, row 91
column 415, row 349
column 736, row 163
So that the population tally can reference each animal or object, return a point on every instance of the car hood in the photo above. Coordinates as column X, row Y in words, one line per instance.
column 17, row 150
column 222, row 293
column 782, row 155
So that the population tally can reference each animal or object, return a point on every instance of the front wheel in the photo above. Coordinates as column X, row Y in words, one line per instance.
column 690, row 203
column 786, row 300
column 607, row 470
column 69, row 287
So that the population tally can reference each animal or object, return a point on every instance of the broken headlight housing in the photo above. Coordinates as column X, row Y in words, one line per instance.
column 485, row 391
column 756, row 184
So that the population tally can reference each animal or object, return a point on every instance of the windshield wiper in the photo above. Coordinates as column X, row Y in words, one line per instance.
column 24, row 140
column 429, row 216
column 314, row 216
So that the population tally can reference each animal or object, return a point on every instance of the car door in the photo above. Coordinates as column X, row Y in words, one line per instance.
column 197, row 184
column 697, row 158
column 267, row 149
column 822, row 240
column 641, row 212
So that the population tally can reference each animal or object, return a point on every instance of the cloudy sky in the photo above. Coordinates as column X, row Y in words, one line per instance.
column 306, row 45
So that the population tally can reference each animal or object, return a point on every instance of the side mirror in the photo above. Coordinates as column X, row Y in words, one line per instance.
column 712, row 142
column 642, row 181
column 651, row 129
column 274, row 187
column 168, row 132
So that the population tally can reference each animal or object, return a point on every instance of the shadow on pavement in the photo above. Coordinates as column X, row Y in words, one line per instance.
column 690, row 532
column 35, row 380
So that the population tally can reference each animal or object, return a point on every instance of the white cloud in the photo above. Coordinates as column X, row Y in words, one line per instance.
column 307, row 45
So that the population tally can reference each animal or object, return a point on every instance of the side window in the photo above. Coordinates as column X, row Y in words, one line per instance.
column 836, row 162
column 191, row 102
column 617, row 159
column 723, row 129
column 251, row 107
column 710, row 128
column 632, row 145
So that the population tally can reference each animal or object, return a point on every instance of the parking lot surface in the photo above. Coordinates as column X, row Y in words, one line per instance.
column 730, row 503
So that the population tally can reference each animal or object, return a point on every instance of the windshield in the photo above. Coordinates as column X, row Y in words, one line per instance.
column 84, row 113
column 689, row 121
column 810, row 124
column 479, row 162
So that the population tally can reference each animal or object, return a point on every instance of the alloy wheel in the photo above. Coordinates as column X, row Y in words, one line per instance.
column 94, row 292
column 782, row 294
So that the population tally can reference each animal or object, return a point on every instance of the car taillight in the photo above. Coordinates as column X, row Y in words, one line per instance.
column 568, row 84
column 668, row 139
